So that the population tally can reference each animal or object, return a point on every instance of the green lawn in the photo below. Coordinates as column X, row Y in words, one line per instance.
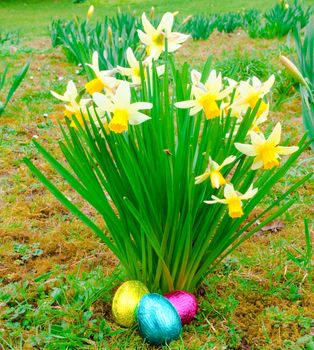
column 33, row 17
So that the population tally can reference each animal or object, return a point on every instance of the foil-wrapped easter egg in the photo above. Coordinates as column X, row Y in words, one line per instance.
column 126, row 300
column 158, row 320
column 185, row 303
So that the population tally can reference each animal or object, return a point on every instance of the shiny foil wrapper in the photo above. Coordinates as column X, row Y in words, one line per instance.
column 185, row 303
column 158, row 320
column 125, row 302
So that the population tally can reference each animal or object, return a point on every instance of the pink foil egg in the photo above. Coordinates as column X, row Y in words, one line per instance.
column 185, row 303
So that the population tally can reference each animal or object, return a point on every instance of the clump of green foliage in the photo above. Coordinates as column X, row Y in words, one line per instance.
column 229, row 22
column 109, row 38
column 279, row 20
column 275, row 22
column 200, row 27
column 9, row 38
column 305, row 63
column 242, row 66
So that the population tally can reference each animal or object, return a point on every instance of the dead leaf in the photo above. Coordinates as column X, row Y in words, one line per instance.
column 273, row 227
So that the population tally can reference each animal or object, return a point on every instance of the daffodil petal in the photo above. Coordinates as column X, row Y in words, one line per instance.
column 185, row 104
column 195, row 77
column 138, row 118
column 149, row 29
column 215, row 180
column 201, row 178
column 257, row 164
column 103, row 102
column 249, row 193
column 286, row 150
column 124, row 71
column 268, row 84
column 257, row 139
column 166, row 23
column 95, row 60
column 227, row 161
column 172, row 47
column 131, row 58
column 229, row 191
column 216, row 200
column 249, row 150
column 160, row 70
column 145, row 39
column 141, row 105
column 122, row 97
column 58, row 96
column 275, row 136
column 195, row 110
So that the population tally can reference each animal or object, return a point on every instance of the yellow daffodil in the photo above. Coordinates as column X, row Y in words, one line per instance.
column 251, row 92
column 266, row 152
column 73, row 107
column 122, row 111
column 213, row 172
column 234, row 199
column 206, row 95
column 134, row 71
column 103, row 80
column 155, row 38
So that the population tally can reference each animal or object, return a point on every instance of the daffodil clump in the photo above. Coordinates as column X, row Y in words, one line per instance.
column 174, row 160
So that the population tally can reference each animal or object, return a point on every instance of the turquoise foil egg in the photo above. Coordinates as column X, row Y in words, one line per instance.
column 158, row 320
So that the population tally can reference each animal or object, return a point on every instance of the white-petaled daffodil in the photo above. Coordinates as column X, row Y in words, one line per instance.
column 122, row 111
column 213, row 172
column 250, row 92
column 207, row 95
column 103, row 80
column 233, row 199
column 155, row 38
column 134, row 70
column 78, row 108
column 266, row 152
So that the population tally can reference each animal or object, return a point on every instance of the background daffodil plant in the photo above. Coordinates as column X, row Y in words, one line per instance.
column 173, row 163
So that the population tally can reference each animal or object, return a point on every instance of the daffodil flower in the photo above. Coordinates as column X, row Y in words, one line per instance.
column 122, row 111
column 103, row 79
column 70, row 94
column 250, row 94
column 73, row 107
column 234, row 199
column 155, row 38
column 206, row 95
column 266, row 152
column 213, row 172
column 134, row 71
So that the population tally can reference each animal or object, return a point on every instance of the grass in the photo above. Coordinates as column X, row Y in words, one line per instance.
column 57, row 280
column 33, row 17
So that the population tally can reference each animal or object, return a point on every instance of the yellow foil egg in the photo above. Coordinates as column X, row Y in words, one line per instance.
column 126, row 300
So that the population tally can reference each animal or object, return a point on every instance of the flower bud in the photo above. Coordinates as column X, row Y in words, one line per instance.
column 152, row 12
column 90, row 11
column 293, row 70
column 109, row 30
column 186, row 19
